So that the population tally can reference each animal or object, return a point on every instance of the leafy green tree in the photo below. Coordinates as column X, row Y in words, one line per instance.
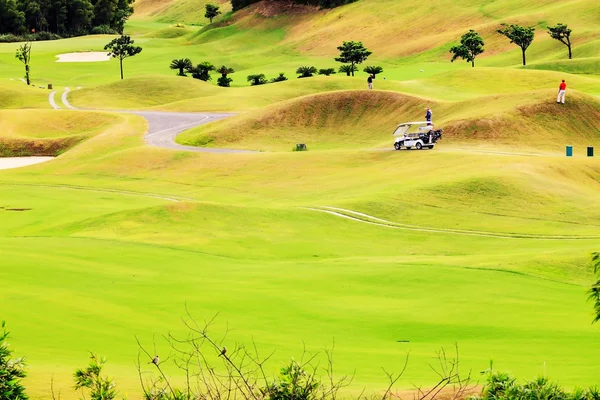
column 353, row 53
column 122, row 48
column 279, row 78
column 348, row 69
column 11, row 19
column 100, row 387
column 11, row 370
column 257, row 79
column 182, row 65
column 594, row 292
column 80, row 14
column 202, row 71
column 104, row 11
column 327, row 71
column 306, row 72
column 212, row 11
column 562, row 33
column 224, row 80
column 123, row 12
column 24, row 55
column 373, row 70
column 522, row 36
column 471, row 45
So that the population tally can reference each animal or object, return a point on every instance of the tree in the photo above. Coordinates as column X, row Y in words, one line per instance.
column 279, row 78
column 373, row 69
column 11, row 371
column 182, row 65
column 522, row 36
column 202, row 71
column 123, row 12
column 562, row 33
column 348, row 69
column 353, row 53
column 471, row 45
column 104, row 11
column 211, row 12
column 101, row 388
column 80, row 14
column 257, row 79
column 11, row 19
column 327, row 71
column 24, row 55
column 121, row 48
column 594, row 292
column 306, row 72
column 224, row 80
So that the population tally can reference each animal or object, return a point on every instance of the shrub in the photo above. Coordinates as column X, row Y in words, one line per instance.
column 294, row 383
column 373, row 70
column 103, row 30
column 257, row 79
column 11, row 371
column 327, row 71
column 11, row 38
column 224, row 81
column 306, row 72
column 279, row 78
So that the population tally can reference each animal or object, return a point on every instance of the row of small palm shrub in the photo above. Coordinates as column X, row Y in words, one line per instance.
column 202, row 71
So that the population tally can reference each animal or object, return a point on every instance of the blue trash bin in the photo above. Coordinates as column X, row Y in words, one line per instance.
column 590, row 151
column 569, row 151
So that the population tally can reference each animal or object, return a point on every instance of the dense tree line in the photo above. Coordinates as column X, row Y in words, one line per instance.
column 64, row 17
column 239, row 4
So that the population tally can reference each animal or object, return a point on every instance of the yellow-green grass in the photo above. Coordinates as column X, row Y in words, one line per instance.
column 48, row 132
column 176, row 11
column 16, row 94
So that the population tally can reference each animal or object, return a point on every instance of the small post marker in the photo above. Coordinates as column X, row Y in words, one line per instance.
column 569, row 151
column 590, row 151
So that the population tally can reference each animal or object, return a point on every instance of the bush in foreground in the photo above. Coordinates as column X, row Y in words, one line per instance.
column 11, row 371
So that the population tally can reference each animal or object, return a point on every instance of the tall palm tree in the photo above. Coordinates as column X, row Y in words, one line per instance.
column 348, row 69
column 202, row 71
column 594, row 292
column 182, row 65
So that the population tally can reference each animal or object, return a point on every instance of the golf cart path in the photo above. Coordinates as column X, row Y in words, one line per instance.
column 163, row 126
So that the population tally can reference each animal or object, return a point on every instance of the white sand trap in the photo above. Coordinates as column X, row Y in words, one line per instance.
column 87, row 56
column 17, row 162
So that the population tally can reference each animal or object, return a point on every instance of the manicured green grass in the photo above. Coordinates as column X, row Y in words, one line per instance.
column 115, row 237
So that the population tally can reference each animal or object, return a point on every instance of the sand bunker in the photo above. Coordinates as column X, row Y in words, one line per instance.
column 91, row 56
column 16, row 162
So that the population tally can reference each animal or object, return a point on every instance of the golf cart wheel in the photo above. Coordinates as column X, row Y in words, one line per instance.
column 419, row 146
column 408, row 148
column 430, row 147
column 397, row 146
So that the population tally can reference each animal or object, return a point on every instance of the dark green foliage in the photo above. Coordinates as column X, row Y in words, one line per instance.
column 224, row 80
column 211, row 12
column 239, row 4
column 306, row 72
column 522, row 36
column 30, row 37
column 100, row 387
column 121, row 48
column 202, row 71
column 24, row 55
column 594, row 292
column 12, row 20
column 327, row 71
column 11, row 371
column 373, row 70
column 256, row 79
column 348, row 69
column 471, row 45
column 63, row 17
column 279, row 78
column 353, row 53
column 294, row 383
column 103, row 30
column 562, row 33
column 183, row 64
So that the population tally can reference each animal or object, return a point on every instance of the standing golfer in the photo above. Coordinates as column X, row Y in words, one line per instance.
column 370, row 81
column 428, row 116
column 562, row 88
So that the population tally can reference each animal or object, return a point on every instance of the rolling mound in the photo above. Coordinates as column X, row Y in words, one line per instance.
column 176, row 10
column 329, row 120
column 48, row 133
column 18, row 95
column 141, row 92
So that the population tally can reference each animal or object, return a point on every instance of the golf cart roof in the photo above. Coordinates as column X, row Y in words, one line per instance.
column 413, row 123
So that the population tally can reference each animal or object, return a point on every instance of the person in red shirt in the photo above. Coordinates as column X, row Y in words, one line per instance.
column 562, row 88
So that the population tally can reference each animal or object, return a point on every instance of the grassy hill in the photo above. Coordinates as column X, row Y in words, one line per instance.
column 483, row 241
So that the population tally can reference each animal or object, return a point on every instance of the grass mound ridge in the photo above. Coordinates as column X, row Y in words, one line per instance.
column 540, row 125
column 18, row 95
column 329, row 120
column 48, row 133
column 141, row 92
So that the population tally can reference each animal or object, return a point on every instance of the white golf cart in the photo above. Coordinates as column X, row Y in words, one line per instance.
column 416, row 134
